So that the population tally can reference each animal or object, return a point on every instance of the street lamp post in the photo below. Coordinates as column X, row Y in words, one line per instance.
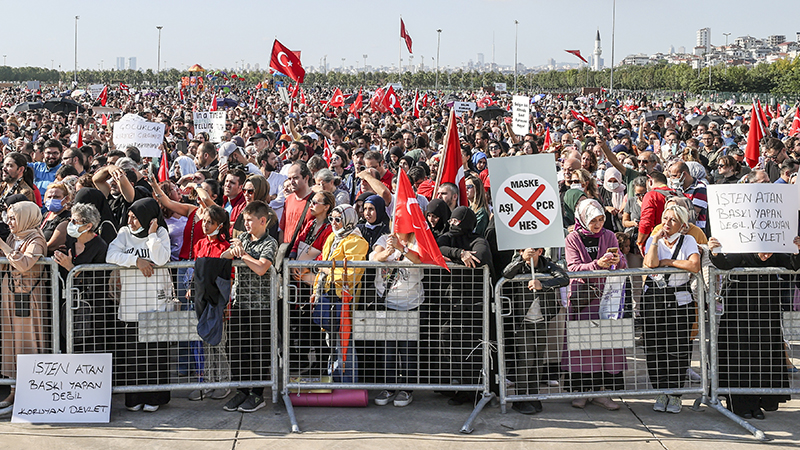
column 158, row 61
column 613, row 29
column 438, row 44
column 516, row 41
column 4, row 59
column 726, row 52
column 365, row 68
column 75, row 81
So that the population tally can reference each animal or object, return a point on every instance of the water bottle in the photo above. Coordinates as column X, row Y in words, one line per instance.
column 659, row 280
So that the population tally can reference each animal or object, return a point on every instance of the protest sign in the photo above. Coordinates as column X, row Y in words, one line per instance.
column 96, row 89
column 527, row 205
column 521, row 117
column 753, row 218
column 34, row 85
column 500, row 87
column 462, row 107
column 284, row 93
column 134, row 130
column 211, row 122
column 66, row 388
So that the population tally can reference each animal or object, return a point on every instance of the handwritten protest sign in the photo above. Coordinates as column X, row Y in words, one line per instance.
column 753, row 218
column 134, row 130
column 462, row 107
column 211, row 122
column 66, row 388
column 500, row 87
column 96, row 89
column 521, row 116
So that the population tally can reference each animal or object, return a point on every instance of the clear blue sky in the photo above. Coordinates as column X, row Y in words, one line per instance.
column 220, row 34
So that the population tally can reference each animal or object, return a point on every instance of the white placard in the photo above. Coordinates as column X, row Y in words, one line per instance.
column 66, row 388
column 521, row 117
column 527, row 208
column 34, row 85
column 754, row 218
column 284, row 94
column 96, row 89
column 134, row 130
column 500, row 87
column 211, row 122
column 462, row 107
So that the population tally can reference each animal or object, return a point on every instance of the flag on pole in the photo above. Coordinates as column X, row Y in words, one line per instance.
column 295, row 89
column 451, row 169
column 286, row 62
column 547, row 139
column 795, row 123
column 302, row 97
column 326, row 151
column 404, row 34
column 390, row 100
column 337, row 99
column 163, row 170
column 425, row 101
column 103, row 97
column 80, row 136
column 213, row 103
column 754, row 136
column 578, row 54
column 104, row 121
column 357, row 104
column 408, row 218
column 375, row 102
column 582, row 118
column 415, row 111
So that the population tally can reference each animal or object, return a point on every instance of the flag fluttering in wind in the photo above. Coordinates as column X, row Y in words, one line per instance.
column 408, row 218
column 286, row 62
column 103, row 97
column 451, row 169
column 337, row 99
column 578, row 54
column 404, row 34
column 754, row 136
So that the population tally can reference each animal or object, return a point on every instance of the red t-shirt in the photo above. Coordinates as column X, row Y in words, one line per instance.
column 387, row 179
column 192, row 234
column 292, row 209
column 206, row 248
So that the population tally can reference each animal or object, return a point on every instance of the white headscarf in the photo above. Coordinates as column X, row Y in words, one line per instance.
column 618, row 193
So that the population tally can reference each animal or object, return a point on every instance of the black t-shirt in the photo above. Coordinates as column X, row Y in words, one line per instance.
column 592, row 245
column 119, row 206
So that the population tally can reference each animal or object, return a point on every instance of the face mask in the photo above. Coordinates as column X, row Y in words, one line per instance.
column 74, row 230
column 673, row 238
column 673, row 148
column 576, row 186
column 727, row 133
column 629, row 166
column 53, row 204
column 137, row 231
column 612, row 186
column 215, row 232
column 676, row 184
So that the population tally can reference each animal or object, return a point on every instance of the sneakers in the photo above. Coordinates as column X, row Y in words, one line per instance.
column 403, row 398
column 385, row 397
column 580, row 402
column 219, row 394
column 150, row 408
column 674, row 406
column 605, row 402
column 252, row 403
column 199, row 394
column 661, row 403
column 234, row 403
column 552, row 383
column 135, row 407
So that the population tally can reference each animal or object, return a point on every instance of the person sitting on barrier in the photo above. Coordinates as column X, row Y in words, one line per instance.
column 94, row 317
column 591, row 247
column 250, row 325
column 24, row 308
column 668, row 306
column 398, row 289
column 750, row 342
column 531, row 314
column 143, row 243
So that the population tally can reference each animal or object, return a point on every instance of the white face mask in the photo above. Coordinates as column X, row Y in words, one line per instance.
column 676, row 184
column 612, row 186
column 215, row 232
column 576, row 186
column 629, row 166
column 136, row 231
column 74, row 230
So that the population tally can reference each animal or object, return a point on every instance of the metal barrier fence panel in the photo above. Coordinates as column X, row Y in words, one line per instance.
column 754, row 340
column 150, row 325
column 617, row 334
column 30, row 313
column 344, row 329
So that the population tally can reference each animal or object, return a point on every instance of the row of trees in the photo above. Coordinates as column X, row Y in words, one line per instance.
column 779, row 78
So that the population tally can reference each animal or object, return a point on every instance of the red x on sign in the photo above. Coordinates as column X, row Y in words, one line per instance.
column 526, row 206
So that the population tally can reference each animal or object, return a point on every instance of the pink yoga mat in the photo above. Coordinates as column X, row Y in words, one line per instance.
column 352, row 398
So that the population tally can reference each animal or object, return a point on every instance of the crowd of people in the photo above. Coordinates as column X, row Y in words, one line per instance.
column 307, row 181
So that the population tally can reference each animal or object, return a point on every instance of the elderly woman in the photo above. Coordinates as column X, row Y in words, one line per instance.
column 668, row 306
column 94, row 316
column 591, row 247
column 330, row 182
column 751, row 349
column 142, row 244
column 24, row 308
column 57, row 200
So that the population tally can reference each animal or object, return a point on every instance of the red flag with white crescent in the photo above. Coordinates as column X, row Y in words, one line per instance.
column 213, row 103
column 103, row 97
column 451, row 169
column 337, row 99
column 409, row 218
column 390, row 100
column 582, row 118
column 416, row 105
column 375, row 102
column 425, row 101
column 357, row 104
column 302, row 97
column 286, row 62
column 795, row 123
column 326, row 151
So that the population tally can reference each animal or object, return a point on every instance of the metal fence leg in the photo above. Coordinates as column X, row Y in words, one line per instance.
column 758, row 434
column 467, row 428
column 290, row 412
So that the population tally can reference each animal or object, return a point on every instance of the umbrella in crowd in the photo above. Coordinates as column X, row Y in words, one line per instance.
column 490, row 112
column 706, row 119
column 63, row 104
column 227, row 102
column 653, row 115
column 25, row 106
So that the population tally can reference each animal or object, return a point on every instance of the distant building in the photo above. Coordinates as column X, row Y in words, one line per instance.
column 681, row 49
column 132, row 63
column 704, row 38
column 597, row 62
column 639, row 59
column 480, row 59
column 120, row 63
column 776, row 39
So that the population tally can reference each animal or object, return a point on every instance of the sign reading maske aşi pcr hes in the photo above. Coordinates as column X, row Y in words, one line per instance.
column 527, row 207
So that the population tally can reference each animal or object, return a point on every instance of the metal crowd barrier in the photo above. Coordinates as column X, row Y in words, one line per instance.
column 429, row 332
column 30, row 313
column 754, row 338
column 111, row 311
column 596, row 346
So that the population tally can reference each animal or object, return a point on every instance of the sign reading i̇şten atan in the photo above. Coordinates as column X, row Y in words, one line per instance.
column 527, row 208
column 66, row 388
column 754, row 218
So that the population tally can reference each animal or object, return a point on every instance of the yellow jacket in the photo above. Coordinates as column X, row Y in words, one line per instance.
column 353, row 248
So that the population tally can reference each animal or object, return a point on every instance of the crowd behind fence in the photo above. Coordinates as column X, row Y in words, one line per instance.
column 326, row 334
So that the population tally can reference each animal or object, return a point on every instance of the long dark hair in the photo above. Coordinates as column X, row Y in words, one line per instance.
column 219, row 215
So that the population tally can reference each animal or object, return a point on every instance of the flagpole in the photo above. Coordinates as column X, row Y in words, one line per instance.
column 451, row 123
column 400, row 56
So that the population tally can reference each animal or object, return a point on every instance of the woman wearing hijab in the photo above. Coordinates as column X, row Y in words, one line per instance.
column 376, row 221
column 143, row 244
column 108, row 224
column 571, row 199
column 24, row 306
column 437, row 215
column 613, row 199
column 591, row 247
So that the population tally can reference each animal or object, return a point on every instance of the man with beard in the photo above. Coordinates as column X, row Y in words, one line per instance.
column 206, row 159
column 268, row 160
column 13, row 169
column 297, row 152
column 647, row 163
column 44, row 172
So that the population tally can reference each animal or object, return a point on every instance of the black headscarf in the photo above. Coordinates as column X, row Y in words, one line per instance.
column 439, row 208
column 372, row 231
column 145, row 211
column 91, row 196
column 467, row 220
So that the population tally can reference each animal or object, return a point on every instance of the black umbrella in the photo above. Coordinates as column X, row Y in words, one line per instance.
column 490, row 112
column 25, row 106
column 226, row 102
column 351, row 99
column 653, row 115
column 63, row 104
column 705, row 120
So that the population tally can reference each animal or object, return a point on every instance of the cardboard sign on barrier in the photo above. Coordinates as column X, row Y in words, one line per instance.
column 527, row 207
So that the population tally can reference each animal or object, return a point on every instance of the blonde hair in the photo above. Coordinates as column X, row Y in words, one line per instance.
column 680, row 213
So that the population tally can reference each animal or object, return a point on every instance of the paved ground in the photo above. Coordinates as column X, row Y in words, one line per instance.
column 429, row 422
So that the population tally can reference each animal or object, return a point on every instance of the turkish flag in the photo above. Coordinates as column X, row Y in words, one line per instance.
column 754, row 135
column 375, row 101
column 486, row 101
column 451, row 169
column 104, row 121
column 124, row 88
column 213, row 103
column 163, row 170
column 762, row 119
column 425, row 101
column 302, row 97
column 80, row 136
column 409, row 218
column 286, row 62
column 390, row 100
column 337, row 99
column 295, row 90
column 183, row 100
column 326, row 151
column 416, row 105
column 547, row 139
column 405, row 36
column 578, row 54
column 582, row 118
column 103, row 97
column 357, row 105
column 795, row 123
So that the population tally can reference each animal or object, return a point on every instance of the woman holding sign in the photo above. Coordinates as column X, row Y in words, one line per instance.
column 751, row 349
column 667, row 306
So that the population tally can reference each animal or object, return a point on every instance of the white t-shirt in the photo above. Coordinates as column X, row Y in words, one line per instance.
column 405, row 292
column 688, row 248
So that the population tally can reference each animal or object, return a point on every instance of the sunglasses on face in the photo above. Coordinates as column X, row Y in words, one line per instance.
column 336, row 219
column 249, row 191
column 574, row 181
